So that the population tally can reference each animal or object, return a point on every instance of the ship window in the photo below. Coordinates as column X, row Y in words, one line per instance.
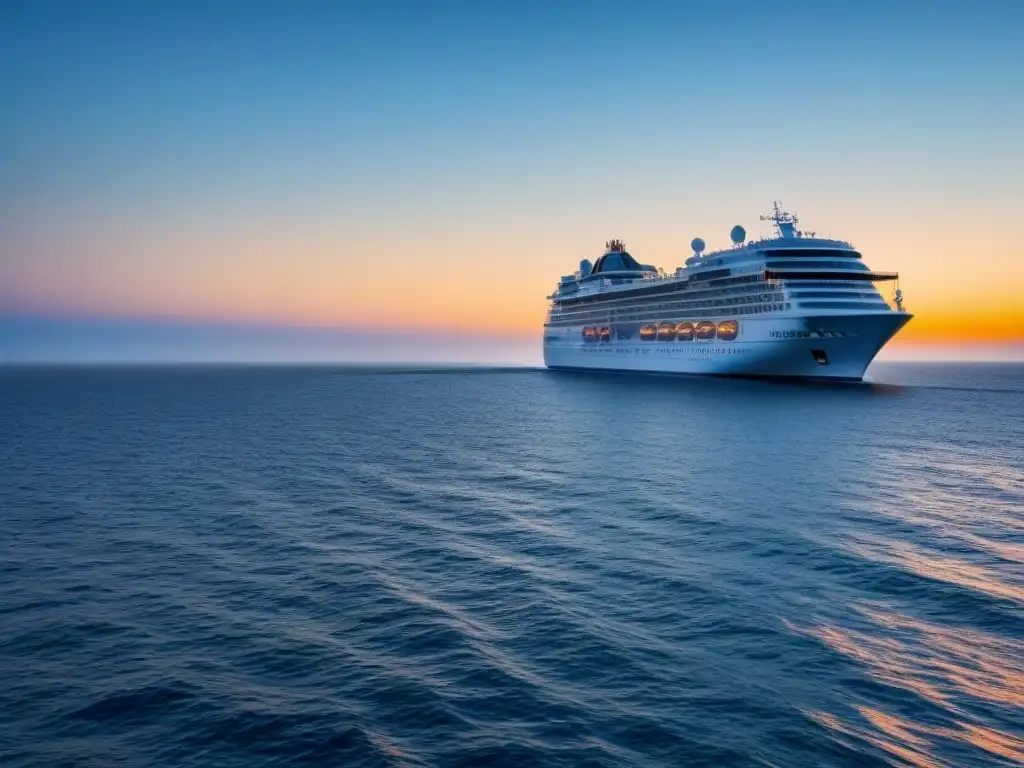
column 843, row 304
column 824, row 284
column 834, row 295
column 851, row 265
column 812, row 253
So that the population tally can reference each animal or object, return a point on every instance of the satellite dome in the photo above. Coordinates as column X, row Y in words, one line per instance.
column 697, row 244
column 738, row 234
column 586, row 267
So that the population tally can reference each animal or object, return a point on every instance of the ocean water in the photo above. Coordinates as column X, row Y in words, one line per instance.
column 510, row 567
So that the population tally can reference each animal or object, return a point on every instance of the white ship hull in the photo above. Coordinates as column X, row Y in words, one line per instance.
column 827, row 346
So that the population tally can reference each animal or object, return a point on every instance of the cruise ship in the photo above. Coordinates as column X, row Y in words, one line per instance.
column 790, row 306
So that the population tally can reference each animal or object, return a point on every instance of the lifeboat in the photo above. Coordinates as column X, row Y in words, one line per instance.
column 728, row 330
column 705, row 330
column 684, row 332
column 590, row 333
column 648, row 332
column 605, row 334
column 666, row 331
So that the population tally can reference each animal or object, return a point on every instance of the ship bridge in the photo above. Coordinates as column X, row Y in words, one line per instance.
column 795, row 255
column 816, row 263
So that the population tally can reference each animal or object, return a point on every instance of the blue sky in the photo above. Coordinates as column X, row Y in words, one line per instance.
column 233, row 100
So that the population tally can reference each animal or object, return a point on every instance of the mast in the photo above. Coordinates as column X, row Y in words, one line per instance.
column 785, row 222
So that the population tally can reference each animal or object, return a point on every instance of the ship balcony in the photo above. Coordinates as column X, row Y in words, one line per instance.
column 809, row 273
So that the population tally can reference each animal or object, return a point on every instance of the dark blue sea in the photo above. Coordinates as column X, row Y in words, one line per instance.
column 246, row 566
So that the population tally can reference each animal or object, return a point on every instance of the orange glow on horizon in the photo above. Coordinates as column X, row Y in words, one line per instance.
column 991, row 325
column 461, row 309
column 473, row 282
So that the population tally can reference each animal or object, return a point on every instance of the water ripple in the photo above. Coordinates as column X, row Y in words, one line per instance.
column 388, row 567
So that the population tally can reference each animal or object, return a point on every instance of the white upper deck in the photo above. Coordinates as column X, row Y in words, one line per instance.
column 616, row 271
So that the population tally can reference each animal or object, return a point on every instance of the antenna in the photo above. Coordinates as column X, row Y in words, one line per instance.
column 785, row 222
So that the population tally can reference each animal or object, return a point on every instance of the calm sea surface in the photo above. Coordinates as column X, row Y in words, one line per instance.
column 359, row 566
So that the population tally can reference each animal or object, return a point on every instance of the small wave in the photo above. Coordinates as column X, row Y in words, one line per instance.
column 934, row 565
column 442, row 566
column 953, row 670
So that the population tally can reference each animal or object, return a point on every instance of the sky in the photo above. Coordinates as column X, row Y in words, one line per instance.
column 186, row 179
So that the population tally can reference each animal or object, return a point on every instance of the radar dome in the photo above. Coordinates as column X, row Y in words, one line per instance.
column 697, row 245
column 586, row 267
column 738, row 234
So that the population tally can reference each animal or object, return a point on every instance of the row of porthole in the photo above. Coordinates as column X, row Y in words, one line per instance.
column 727, row 330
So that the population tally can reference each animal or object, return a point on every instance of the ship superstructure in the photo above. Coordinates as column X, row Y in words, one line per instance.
column 794, row 305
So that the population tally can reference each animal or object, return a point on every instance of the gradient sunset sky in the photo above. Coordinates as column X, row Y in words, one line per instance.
column 433, row 167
